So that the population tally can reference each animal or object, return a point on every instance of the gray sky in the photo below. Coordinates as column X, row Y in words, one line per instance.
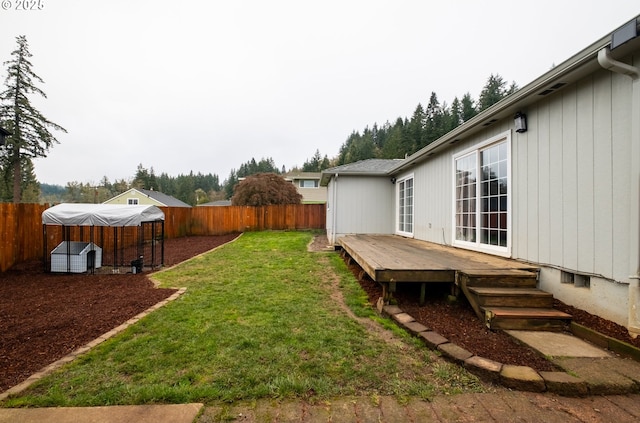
column 204, row 86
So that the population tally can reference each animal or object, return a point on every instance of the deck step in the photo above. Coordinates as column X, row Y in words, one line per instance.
column 521, row 318
column 507, row 278
column 511, row 297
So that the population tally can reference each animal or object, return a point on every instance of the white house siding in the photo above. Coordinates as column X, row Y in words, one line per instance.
column 433, row 185
column 571, row 179
column 572, row 174
column 366, row 206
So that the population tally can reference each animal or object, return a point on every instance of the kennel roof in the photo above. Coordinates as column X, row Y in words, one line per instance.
column 78, row 214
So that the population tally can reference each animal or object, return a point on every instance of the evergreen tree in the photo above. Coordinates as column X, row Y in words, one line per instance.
column 495, row 90
column 230, row 183
column 455, row 115
column 314, row 164
column 30, row 134
column 393, row 145
column 142, row 180
column 468, row 107
column 30, row 188
column 435, row 126
column 417, row 129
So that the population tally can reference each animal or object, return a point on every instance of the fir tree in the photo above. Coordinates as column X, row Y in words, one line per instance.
column 30, row 134
column 494, row 91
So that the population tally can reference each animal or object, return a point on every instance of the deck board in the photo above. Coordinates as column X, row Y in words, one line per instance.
column 391, row 258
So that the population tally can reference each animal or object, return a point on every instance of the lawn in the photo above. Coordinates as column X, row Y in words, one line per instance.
column 262, row 317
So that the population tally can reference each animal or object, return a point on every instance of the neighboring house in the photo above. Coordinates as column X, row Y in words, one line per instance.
column 308, row 185
column 562, row 192
column 136, row 196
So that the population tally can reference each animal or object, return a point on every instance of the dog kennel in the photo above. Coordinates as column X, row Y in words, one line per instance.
column 91, row 236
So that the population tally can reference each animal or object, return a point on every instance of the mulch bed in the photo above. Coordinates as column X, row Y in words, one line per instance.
column 457, row 322
column 45, row 316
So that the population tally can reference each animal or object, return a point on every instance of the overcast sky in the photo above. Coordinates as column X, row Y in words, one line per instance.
column 204, row 86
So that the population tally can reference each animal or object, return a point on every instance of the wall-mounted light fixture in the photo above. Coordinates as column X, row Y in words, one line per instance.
column 393, row 180
column 520, row 122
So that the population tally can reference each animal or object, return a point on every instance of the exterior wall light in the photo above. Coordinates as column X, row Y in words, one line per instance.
column 520, row 122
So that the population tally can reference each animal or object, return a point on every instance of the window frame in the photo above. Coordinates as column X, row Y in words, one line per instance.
column 476, row 151
column 315, row 182
column 403, row 181
column 133, row 201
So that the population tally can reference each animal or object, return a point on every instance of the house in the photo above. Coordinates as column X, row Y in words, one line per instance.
column 308, row 185
column 135, row 196
column 549, row 176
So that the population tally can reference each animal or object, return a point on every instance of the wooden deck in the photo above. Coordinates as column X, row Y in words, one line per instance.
column 391, row 258
column 503, row 292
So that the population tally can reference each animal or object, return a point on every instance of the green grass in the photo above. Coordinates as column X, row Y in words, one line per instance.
column 257, row 321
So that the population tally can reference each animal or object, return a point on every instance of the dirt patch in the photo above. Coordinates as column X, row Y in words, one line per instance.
column 45, row 316
column 320, row 242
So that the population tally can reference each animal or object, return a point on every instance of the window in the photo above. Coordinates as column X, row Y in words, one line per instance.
column 132, row 201
column 309, row 183
column 405, row 206
column 482, row 196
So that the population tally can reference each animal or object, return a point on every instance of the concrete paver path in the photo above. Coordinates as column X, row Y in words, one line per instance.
column 502, row 406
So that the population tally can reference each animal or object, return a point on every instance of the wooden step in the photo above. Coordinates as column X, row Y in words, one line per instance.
column 511, row 297
column 498, row 278
column 519, row 318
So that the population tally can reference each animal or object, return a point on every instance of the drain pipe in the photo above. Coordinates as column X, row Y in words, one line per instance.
column 606, row 61
column 334, row 211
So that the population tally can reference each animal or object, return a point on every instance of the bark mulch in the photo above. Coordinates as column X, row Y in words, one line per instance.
column 45, row 316
column 457, row 322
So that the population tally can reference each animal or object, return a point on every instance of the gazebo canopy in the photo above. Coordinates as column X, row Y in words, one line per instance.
column 73, row 214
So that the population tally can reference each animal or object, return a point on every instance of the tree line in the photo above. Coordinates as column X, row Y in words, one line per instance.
column 405, row 136
column 30, row 138
column 389, row 141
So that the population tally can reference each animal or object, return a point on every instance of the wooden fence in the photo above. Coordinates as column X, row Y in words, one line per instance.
column 21, row 231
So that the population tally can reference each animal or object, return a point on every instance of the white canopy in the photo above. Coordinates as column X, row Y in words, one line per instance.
column 72, row 214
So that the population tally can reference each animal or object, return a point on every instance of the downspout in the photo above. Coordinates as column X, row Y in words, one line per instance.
column 607, row 62
column 334, row 213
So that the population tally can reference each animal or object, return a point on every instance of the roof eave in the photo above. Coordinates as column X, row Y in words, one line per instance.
column 326, row 177
column 569, row 71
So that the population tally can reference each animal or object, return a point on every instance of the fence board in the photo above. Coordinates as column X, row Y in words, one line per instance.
column 21, row 231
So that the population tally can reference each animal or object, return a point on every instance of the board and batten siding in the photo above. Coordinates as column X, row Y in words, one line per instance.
column 434, row 189
column 366, row 206
column 571, row 179
column 571, row 176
